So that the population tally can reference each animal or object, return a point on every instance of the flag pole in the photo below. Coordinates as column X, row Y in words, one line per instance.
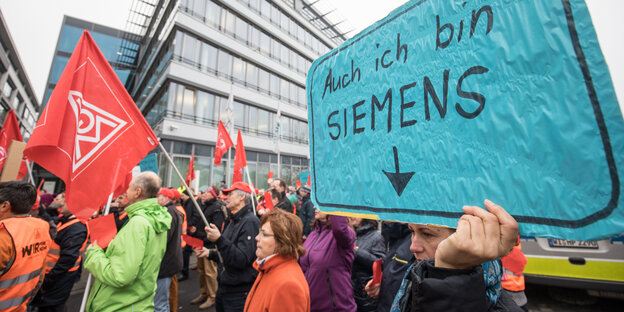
column 85, row 296
column 30, row 175
column 228, row 170
column 253, row 190
column 201, row 213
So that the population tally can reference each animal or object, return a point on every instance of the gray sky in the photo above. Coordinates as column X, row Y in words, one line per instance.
column 35, row 26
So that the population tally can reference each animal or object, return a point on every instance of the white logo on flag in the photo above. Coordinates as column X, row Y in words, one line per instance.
column 3, row 154
column 89, row 121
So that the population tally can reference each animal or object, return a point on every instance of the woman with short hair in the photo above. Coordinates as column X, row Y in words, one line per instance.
column 280, row 285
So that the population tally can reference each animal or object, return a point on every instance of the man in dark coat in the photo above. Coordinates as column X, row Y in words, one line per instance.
column 285, row 204
column 369, row 248
column 71, row 239
column 237, row 248
column 215, row 212
column 395, row 263
column 306, row 212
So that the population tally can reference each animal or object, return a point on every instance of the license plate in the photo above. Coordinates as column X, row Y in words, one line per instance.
column 572, row 243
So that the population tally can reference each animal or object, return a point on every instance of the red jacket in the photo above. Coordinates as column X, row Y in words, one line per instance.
column 280, row 286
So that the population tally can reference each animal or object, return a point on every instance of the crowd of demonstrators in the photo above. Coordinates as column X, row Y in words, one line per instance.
column 171, row 263
column 327, row 264
column 24, row 244
column 253, row 264
column 64, row 260
column 126, row 273
column 369, row 247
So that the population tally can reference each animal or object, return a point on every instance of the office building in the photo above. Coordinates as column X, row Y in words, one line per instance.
column 16, row 92
column 196, row 53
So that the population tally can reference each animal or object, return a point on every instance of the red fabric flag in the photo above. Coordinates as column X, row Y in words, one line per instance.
column 36, row 205
column 11, row 131
column 223, row 143
column 298, row 183
column 190, row 172
column 91, row 133
column 192, row 241
column 102, row 229
column 270, row 174
column 268, row 201
column 309, row 183
column 377, row 273
column 240, row 159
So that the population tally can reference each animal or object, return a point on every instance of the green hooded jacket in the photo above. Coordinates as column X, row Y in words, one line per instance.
column 125, row 274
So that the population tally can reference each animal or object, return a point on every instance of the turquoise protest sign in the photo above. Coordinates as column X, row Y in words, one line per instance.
column 447, row 103
column 149, row 163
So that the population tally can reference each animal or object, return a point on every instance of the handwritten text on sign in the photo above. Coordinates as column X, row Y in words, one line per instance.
column 446, row 103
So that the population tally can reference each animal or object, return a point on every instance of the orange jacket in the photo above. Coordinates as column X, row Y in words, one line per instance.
column 280, row 286
column 55, row 250
column 31, row 238
column 513, row 265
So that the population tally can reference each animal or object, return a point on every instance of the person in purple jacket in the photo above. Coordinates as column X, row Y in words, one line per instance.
column 327, row 264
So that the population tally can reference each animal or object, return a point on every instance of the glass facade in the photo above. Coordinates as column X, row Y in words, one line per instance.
column 108, row 40
column 258, row 164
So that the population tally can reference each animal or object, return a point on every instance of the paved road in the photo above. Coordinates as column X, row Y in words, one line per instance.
column 539, row 298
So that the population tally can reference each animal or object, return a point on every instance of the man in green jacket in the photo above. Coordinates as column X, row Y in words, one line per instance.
column 125, row 274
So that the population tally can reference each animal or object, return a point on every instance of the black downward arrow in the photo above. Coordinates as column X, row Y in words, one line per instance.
column 399, row 180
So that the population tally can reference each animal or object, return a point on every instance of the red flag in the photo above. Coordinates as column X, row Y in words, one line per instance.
column 11, row 131
column 192, row 241
column 190, row 172
column 270, row 175
column 377, row 273
column 298, row 183
column 309, row 183
column 223, row 143
column 91, row 133
column 268, row 201
column 102, row 229
column 240, row 159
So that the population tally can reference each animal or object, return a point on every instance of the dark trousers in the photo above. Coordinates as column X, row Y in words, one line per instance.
column 56, row 308
column 230, row 301
column 186, row 255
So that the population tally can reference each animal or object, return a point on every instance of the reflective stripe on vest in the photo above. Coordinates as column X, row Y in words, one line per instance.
column 31, row 238
column 55, row 250
column 511, row 281
column 184, row 225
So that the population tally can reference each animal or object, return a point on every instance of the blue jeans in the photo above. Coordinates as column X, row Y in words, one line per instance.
column 161, row 299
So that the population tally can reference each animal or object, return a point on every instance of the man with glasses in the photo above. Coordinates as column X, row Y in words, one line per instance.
column 237, row 248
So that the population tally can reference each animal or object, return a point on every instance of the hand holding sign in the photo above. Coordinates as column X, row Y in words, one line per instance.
column 539, row 130
column 481, row 236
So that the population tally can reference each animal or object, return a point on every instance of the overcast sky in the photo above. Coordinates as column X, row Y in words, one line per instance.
column 35, row 26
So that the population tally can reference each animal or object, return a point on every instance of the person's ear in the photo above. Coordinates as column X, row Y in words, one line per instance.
column 5, row 207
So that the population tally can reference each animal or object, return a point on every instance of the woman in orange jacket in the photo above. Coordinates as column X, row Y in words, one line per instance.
column 280, row 285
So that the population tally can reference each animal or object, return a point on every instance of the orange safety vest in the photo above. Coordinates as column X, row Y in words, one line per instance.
column 31, row 237
column 181, row 210
column 513, row 265
column 55, row 249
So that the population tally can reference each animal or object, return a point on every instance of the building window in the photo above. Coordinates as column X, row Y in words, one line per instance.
column 8, row 88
